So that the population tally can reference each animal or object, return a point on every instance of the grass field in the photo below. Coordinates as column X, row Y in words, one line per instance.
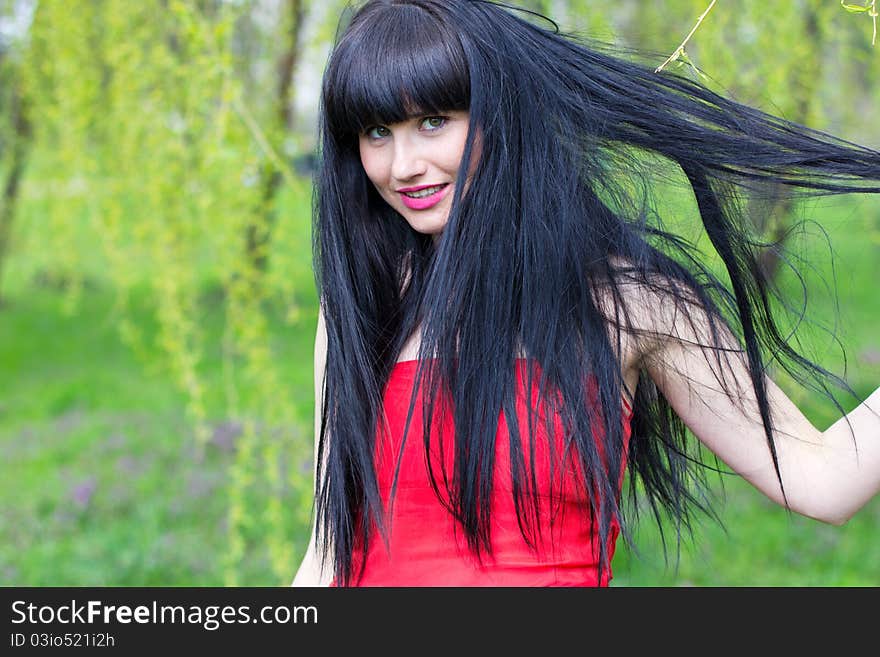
column 102, row 483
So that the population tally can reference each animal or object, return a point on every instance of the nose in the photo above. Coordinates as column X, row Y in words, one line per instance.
column 409, row 161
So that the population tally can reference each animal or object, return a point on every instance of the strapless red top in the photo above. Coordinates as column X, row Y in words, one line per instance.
column 426, row 546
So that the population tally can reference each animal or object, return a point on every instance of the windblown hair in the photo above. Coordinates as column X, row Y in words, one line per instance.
column 536, row 257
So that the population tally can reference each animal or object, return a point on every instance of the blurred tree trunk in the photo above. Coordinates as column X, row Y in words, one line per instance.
column 772, row 208
column 259, row 233
column 17, row 145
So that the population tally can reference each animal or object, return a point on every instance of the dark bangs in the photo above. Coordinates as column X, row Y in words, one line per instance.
column 394, row 63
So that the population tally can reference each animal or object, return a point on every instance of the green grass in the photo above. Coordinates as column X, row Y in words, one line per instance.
column 759, row 545
column 102, row 483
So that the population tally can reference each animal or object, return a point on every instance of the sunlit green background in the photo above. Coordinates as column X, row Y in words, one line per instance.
column 158, row 303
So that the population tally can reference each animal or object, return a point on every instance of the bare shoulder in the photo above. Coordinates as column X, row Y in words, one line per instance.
column 653, row 304
column 648, row 311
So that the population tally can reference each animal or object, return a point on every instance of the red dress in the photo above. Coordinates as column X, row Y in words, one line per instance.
column 428, row 548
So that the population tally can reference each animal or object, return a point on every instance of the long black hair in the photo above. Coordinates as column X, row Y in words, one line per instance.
column 534, row 258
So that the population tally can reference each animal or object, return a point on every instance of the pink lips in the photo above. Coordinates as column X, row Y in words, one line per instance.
column 426, row 202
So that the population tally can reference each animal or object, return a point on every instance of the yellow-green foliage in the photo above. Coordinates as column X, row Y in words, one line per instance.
column 142, row 127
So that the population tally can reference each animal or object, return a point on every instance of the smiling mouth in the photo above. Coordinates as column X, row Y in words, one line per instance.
column 427, row 191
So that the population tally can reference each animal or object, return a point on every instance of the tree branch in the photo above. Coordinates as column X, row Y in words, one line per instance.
column 677, row 53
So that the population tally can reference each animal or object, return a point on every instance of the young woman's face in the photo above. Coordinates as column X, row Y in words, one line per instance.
column 414, row 165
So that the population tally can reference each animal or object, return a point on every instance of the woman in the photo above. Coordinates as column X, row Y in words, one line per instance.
column 505, row 327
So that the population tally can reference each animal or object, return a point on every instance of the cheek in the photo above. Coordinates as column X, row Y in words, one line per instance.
column 476, row 153
column 373, row 166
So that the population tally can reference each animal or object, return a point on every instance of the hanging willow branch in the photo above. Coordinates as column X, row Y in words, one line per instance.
column 19, row 135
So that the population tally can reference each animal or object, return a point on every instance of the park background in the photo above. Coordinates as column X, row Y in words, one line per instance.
column 158, row 302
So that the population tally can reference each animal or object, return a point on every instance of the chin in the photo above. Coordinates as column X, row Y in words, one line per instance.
column 429, row 230
column 427, row 226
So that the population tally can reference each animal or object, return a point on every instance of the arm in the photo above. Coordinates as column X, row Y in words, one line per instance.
column 309, row 571
column 827, row 475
